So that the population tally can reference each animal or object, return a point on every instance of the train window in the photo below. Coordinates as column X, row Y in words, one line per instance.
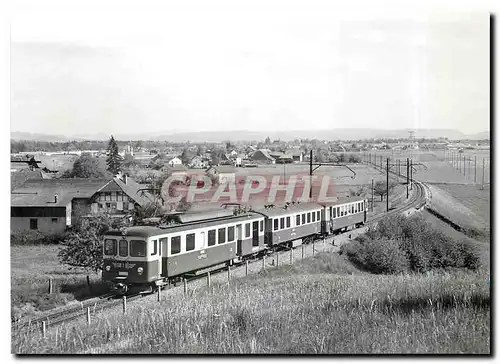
column 318, row 215
column 297, row 220
column 137, row 248
column 230, row 233
column 338, row 211
column 288, row 223
column 333, row 213
column 303, row 219
column 363, row 205
column 261, row 225
column 175, row 245
column 313, row 217
column 189, row 242
column 155, row 247
column 276, row 227
column 282, row 223
column 247, row 230
column 211, row 237
column 110, row 247
column 123, row 248
column 342, row 210
column 222, row 235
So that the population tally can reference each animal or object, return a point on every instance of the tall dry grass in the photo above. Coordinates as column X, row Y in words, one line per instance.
column 295, row 313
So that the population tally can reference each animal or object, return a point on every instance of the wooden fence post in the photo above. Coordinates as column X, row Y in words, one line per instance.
column 44, row 328
column 50, row 286
column 159, row 294
column 291, row 256
column 264, row 262
column 185, row 287
column 88, row 315
column 208, row 279
column 246, row 267
column 124, row 304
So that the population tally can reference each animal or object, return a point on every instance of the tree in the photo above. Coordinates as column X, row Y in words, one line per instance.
column 86, row 166
column 186, row 156
column 82, row 248
column 267, row 141
column 114, row 159
column 380, row 188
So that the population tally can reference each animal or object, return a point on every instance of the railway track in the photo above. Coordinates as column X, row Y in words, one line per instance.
column 417, row 200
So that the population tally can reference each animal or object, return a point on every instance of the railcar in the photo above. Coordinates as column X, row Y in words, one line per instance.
column 291, row 225
column 153, row 256
column 150, row 256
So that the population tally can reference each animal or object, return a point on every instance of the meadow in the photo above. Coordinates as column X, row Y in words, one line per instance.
column 321, row 305
column 31, row 268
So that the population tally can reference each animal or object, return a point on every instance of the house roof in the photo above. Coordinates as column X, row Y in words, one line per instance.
column 40, row 192
column 19, row 177
column 132, row 188
column 264, row 152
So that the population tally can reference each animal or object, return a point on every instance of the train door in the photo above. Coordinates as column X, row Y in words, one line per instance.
column 201, row 242
column 239, row 238
column 255, row 233
column 155, row 255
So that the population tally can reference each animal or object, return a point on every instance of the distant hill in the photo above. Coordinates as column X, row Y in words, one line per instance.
column 286, row 135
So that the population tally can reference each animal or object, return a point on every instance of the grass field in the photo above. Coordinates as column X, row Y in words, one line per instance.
column 31, row 268
column 321, row 305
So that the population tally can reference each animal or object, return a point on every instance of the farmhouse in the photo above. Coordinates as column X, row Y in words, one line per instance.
column 174, row 162
column 263, row 156
column 52, row 205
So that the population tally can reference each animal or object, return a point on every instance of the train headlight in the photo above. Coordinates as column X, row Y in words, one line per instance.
column 108, row 268
column 140, row 270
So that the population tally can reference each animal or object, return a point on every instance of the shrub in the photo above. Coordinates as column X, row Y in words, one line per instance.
column 423, row 247
column 377, row 256
column 33, row 237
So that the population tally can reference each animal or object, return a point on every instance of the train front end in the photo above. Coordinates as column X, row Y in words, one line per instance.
column 131, row 261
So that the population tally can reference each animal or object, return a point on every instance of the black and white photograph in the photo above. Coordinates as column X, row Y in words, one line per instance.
column 250, row 177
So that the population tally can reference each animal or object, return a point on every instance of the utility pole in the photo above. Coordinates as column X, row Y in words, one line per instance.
column 468, row 171
column 407, row 177
column 482, row 182
column 310, row 173
column 475, row 168
column 372, row 195
column 411, row 174
column 464, row 165
column 387, row 190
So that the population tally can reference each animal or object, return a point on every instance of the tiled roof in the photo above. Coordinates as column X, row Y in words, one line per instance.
column 143, row 198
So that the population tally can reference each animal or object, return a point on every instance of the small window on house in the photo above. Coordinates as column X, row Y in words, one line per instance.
column 222, row 235
column 282, row 223
column 308, row 217
column 211, row 237
column 230, row 233
column 303, row 219
column 297, row 220
column 107, row 196
column 54, row 220
column 123, row 248
column 34, row 224
column 155, row 247
column 175, row 245
column 261, row 225
column 247, row 230
column 276, row 227
column 189, row 242
column 288, row 221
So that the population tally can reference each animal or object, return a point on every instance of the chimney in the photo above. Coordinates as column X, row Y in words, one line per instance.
column 55, row 198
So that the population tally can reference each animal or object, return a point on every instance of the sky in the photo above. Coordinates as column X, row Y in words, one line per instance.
column 187, row 66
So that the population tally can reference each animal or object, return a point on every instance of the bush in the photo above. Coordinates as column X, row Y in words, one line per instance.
column 381, row 250
column 33, row 237
column 379, row 257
